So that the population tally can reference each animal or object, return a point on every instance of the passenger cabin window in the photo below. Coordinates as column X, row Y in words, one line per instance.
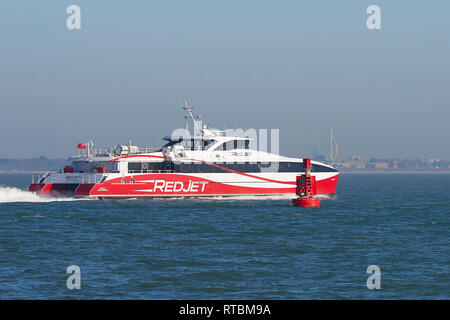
column 239, row 144
column 195, row 144
column 230, row 145
column 207, row 143
column 234, row 144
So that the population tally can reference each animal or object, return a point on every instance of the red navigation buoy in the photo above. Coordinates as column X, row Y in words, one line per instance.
column 306, row 188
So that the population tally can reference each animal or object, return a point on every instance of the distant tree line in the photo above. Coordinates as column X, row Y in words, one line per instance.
column 411, row 164
column 34, row 164
column 355, row 162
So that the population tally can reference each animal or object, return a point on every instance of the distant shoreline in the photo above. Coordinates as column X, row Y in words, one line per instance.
column 21, row 172
column 397, row 171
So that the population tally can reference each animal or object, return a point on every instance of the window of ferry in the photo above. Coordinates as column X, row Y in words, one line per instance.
column 240, row 144
column 223, row 146
column 230, row 145
column 198, row 144
column 207, row 143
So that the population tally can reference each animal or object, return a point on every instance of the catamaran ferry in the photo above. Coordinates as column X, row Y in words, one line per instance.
column 207, row 164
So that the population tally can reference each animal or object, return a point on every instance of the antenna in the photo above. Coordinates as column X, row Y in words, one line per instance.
column 189, row 109
column 333, row 143
column 187, row 123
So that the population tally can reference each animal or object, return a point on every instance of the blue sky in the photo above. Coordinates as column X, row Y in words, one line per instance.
column 300, row 66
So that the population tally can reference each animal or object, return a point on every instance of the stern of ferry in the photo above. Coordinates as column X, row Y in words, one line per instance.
column 63, row 185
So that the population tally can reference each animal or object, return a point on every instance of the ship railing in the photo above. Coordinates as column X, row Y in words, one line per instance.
column 107, row 152
column 151, row 171
column 140, row 151
column 91, row 179
column 40, row 177
column 146, row 150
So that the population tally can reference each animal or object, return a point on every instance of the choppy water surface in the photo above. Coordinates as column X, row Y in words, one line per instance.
column 247, row 249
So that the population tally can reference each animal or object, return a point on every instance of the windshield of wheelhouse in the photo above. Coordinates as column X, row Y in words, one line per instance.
column 192, row 144
column 234, row 144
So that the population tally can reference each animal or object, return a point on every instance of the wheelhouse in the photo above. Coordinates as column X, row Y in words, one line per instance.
column 202, row 143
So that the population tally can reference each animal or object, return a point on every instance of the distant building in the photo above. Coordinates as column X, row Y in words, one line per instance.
column 379, row 164
column 320, row 158
column 353, row 163
column 382, row 165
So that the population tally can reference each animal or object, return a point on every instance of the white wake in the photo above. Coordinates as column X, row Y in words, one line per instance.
column 252, row 197
column 11, row 194
column 205, row 198
column 267, row 197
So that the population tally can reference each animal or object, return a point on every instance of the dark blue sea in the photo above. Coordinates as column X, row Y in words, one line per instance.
column 231, row 249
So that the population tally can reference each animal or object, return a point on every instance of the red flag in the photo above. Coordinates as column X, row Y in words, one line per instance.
column 82, row 146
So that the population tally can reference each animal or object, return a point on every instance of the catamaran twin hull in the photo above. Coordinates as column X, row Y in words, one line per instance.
column 180, row 185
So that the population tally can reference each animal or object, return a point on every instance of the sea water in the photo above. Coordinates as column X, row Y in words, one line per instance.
column 221, row 248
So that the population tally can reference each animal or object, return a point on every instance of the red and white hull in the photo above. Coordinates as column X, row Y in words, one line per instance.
column 210, row 164
column 147, row 185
